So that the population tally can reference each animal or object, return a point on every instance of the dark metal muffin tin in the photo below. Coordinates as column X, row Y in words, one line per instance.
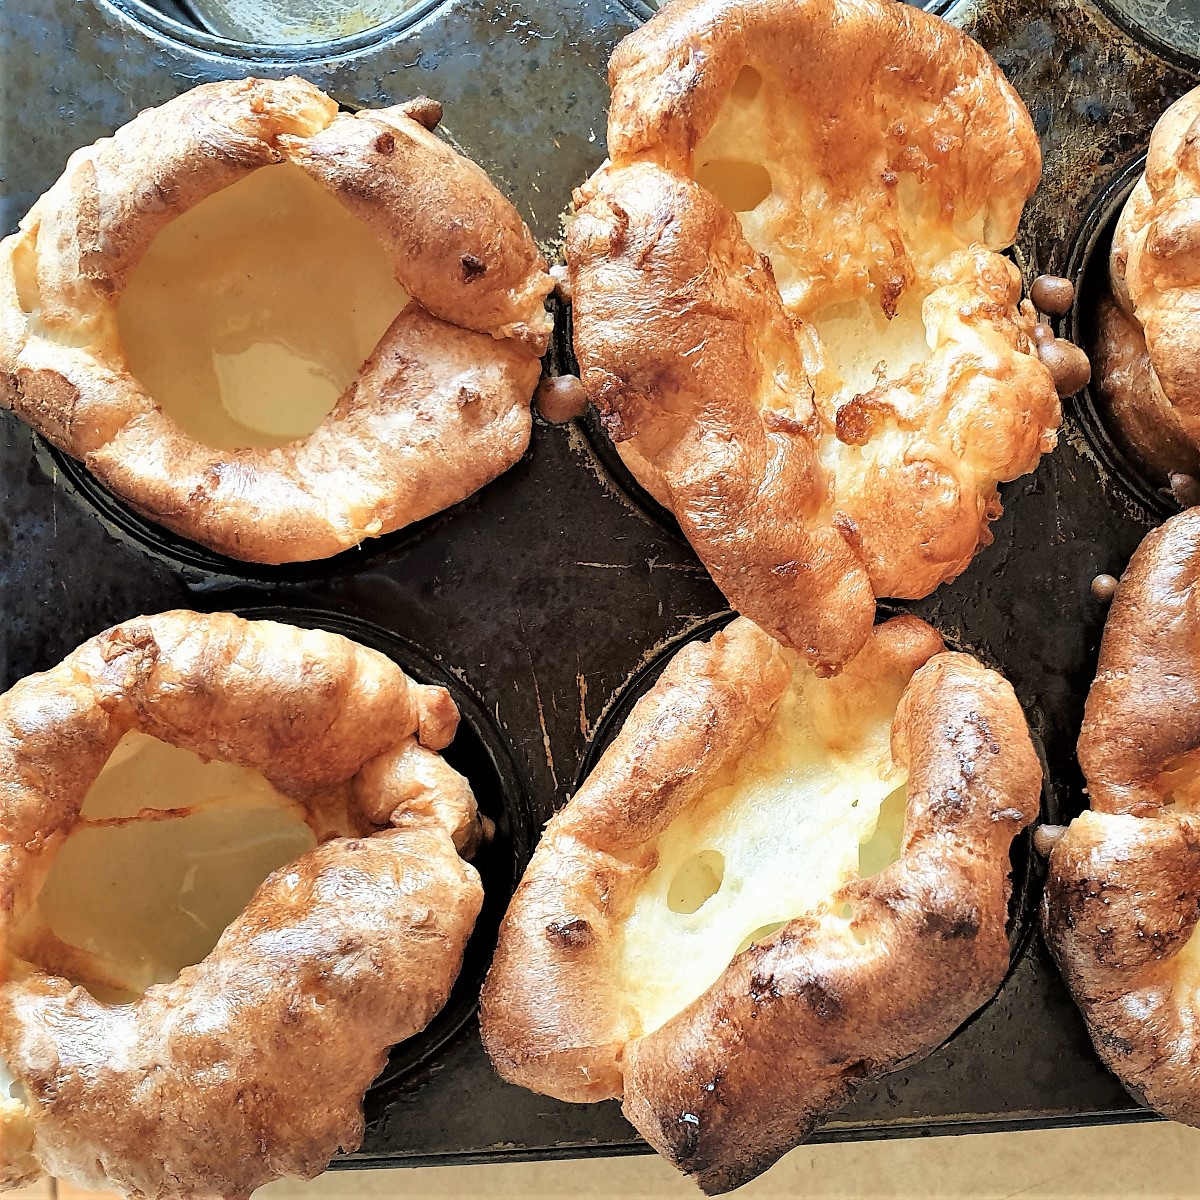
column 544, row 601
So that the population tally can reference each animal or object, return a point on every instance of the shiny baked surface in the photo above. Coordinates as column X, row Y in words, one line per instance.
column 713, row 902
column 1149, row 336
column 789, row 304
column 1122, row 897
column 212, row 1076
column 291, row 426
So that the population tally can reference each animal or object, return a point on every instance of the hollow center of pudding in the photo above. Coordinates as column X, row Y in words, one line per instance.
column 251, row 313
column 725, row 161
column 739, row 184
column 809, row 807
column 10, row 1090
column 762, row 161
column 168, row 851
column 859, row 347
column 1185, row 965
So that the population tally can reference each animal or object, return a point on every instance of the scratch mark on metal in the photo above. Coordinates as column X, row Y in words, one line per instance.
column 655, row 565
column 537, row 692
column 651, row 563
column 585, row 726
column 1039, row 1183
column 537, row 695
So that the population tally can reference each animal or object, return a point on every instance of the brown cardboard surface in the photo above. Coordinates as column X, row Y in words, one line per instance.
column 1138, row 1162
column 42, row 1190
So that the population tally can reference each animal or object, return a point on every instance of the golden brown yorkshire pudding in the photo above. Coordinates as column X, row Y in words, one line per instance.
column 272, row 327
column 708, row 928
column 224, row 1032
column 1148, row 343
column 788, row 307
column 1123, row 890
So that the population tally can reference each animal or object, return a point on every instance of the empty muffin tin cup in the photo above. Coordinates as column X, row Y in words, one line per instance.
column 1171, row 30
column 279, row 31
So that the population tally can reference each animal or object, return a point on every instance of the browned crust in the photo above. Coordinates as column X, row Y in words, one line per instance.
column 697, row 366
column 655, row 251
column 1133, row 398
column 1155, row 267
column 461, row 249
column 1143, row 710
column 735, row 1081
column 1121, row 901
column 251, row 1065
column 793, row 1024
column 456, row 370
column 1123, row 888
column 548, row 1015
column 430, row 419
column 671, row 77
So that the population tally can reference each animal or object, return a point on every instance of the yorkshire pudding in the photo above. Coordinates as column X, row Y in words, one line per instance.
column 1148, row 335
column 788, row 308
column 772, row 887
column 1123, row 891
column 272, row 327
column 192, row 755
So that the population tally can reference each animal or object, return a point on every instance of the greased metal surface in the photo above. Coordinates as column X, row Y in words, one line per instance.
column 543, row 600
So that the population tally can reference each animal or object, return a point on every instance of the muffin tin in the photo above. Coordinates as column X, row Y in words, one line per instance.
column 548, row 601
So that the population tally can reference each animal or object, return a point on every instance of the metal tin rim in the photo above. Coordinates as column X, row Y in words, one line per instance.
column 462, row 1004
column 1095, row 234
column 141, row 13
column 1148, row 38
column 192, row 558
column 1023, row 899
column 604, row 452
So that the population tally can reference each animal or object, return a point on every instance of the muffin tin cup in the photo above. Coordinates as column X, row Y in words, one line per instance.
column 546, row 601
column 480, row 752
column 611, row 466
column 1025, row 871
column 606, row 460
column 195, row 562
column 173, row 21
column 1087, row 268
column 1171, row 30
